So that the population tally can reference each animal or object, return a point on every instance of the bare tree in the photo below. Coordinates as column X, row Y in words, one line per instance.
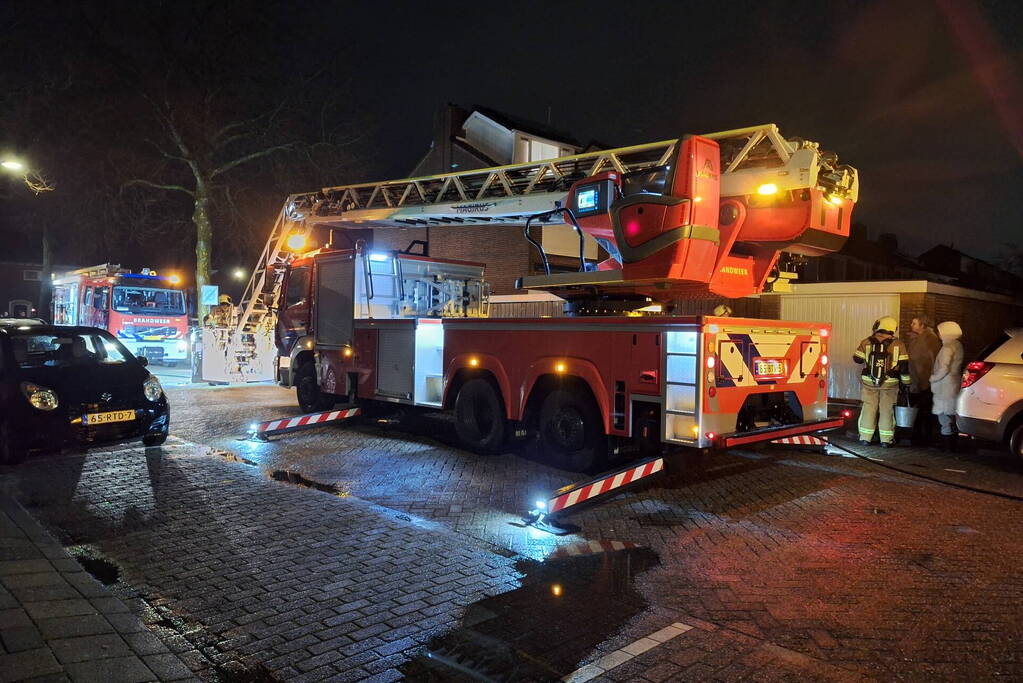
column 205, row 105
column 207, row 159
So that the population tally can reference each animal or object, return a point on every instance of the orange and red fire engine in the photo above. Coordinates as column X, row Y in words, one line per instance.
column 701, row 216
column 147, row 312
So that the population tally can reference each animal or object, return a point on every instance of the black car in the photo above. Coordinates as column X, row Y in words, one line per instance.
column 74, row 386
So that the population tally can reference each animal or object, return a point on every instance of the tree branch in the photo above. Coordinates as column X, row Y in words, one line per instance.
column 166, row 154
column 250, row 157
column 159, row 186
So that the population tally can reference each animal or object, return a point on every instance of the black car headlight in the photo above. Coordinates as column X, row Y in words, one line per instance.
column 152, row 389
column 40, row 397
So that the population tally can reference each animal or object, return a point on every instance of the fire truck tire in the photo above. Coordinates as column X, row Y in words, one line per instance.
column 310, row 398
column 571, row 433
column 479, row 417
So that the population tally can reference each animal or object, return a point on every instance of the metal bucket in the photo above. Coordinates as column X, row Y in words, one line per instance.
column 905, row 416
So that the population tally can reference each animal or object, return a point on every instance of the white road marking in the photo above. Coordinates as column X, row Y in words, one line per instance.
column 624, row 654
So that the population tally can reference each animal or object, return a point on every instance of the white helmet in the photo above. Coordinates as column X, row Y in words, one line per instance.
column 950, row 330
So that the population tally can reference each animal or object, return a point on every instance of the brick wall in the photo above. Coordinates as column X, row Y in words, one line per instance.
column 770, row 306
column 982, row 321
column 912, row 305
column 392, row 239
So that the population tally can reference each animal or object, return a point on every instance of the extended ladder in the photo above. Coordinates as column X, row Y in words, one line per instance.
column 509, row 195
column 259, row 299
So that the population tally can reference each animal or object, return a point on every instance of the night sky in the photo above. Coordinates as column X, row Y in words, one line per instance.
column 924, row 97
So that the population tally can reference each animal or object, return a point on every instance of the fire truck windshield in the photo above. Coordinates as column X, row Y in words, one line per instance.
column 148, row 300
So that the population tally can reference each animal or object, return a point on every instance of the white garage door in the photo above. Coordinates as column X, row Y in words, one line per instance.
column 851, row 317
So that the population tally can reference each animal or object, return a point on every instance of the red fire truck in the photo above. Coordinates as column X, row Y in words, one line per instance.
column 147, row 312
column 700, row 216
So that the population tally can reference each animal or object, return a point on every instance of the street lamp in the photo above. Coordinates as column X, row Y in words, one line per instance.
column 34, row 180
column 239, row 274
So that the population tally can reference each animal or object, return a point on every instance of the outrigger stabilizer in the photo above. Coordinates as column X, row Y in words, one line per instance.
column 264, row 430
column 547, row 514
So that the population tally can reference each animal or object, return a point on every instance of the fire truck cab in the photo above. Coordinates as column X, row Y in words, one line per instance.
column 147, row 312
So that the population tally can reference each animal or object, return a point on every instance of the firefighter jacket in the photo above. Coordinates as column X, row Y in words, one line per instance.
column 885, row 362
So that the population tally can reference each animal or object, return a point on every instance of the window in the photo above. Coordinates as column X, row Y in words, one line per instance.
column 31, row 275
column 539, row 151
column 147, row 300
column 530, row 149
column 50, row 350
column 99, row 298
column 298, row 286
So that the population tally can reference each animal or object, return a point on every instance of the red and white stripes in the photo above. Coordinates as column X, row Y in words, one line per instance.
column 590, row 548
column 801, row 440
column 583, row 492
column 277, row 426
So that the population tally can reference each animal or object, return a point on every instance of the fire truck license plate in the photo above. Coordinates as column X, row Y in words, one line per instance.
column 770, row 367
column 105, row 418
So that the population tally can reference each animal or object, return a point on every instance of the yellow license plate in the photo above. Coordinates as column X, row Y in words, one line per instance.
column 106, row 418
column 771, row 368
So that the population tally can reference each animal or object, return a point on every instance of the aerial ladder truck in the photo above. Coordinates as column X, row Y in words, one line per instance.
column 698, row 216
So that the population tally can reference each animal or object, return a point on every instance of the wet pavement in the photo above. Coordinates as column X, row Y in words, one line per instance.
column 762, row 564
column 178, row 376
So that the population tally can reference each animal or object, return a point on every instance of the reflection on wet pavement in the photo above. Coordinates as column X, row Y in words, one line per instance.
column 544, row 629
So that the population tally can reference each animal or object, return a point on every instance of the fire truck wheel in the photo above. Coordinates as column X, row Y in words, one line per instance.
column 570, row 431
column 310, row 398
column 479, row 417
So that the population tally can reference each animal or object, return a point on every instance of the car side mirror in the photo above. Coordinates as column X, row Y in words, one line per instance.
column 143, row 360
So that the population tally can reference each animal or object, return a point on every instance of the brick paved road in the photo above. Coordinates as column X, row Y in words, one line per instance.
column 786, row 565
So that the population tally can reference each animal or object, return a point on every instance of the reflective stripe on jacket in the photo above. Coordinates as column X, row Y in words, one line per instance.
column 885, row 362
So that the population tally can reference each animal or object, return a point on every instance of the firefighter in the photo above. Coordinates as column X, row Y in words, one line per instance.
column 723, row 311
column 222, row 314
column 885, row 366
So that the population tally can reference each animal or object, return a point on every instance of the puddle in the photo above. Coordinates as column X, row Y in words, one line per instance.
column 296, row 478
column 102, row 569
column 543, row 629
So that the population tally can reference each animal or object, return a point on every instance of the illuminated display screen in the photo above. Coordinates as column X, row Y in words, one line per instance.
column 586, row 200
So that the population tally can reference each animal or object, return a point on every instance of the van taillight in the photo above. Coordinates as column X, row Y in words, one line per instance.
column 975, row 371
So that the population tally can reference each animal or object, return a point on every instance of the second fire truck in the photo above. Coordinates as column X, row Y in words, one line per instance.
column 700, row 216
column 146, row 311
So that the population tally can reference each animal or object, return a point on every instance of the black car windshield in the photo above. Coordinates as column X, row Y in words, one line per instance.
column 148, row 300
column 52, row 350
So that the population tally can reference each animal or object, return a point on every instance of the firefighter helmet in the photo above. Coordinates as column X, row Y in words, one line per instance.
column 225, row 299
column 723, row 311
column 887, row 325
